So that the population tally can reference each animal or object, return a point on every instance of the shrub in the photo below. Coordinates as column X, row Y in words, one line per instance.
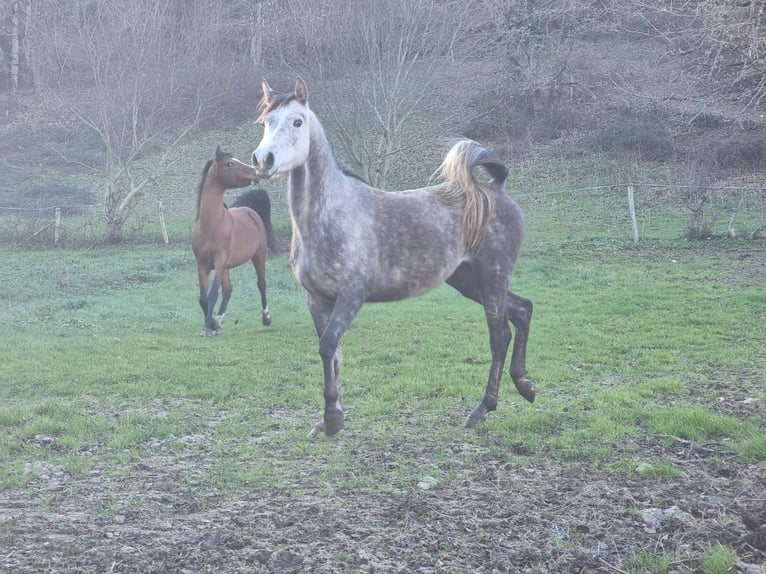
column 743, row 152
column 646, row 140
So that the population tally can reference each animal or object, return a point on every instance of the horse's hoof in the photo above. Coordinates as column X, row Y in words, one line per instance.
column 266, row 318
column 208, row 332
column 319, row 427
column 333, row 421
column 526, row 388
column 478, row 415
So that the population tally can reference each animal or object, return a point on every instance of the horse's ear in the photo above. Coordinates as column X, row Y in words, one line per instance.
column 267, row 92
column 218, row 153
column 301, row 91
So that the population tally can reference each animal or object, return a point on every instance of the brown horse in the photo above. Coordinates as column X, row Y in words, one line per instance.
column 224, row 238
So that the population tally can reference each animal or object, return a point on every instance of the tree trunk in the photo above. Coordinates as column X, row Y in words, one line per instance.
column 115, row 231
column 15, row 34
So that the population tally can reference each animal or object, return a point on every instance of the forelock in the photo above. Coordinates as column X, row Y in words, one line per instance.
column 276, row 100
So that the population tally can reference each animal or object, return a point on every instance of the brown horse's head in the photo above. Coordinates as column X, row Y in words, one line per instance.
column 224, row 172
column 229, row 172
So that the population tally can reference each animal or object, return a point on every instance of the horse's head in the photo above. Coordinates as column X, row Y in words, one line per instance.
column 286, row 134
column 231, row 172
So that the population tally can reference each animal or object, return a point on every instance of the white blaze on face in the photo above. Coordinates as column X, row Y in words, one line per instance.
column 285, row 143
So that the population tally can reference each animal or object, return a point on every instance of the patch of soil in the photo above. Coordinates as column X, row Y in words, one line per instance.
column 505, row 514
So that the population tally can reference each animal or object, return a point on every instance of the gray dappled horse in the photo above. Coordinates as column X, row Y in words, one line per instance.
column 353, row 243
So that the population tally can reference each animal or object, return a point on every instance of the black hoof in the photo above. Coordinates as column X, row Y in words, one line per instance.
column 478, row 415
column 526, row 388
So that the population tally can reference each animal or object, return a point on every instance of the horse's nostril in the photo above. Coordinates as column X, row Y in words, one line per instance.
column 269, row 160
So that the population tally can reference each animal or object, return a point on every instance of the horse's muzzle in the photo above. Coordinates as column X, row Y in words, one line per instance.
column 264, row 168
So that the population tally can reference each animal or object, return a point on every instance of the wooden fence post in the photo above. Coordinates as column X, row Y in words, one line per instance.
column 632, row 209
column 57, row 226
column 162, row 225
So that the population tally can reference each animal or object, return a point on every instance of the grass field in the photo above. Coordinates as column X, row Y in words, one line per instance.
column 131, row 444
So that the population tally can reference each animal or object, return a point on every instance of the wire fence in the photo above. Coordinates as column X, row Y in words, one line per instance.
column 597, row 213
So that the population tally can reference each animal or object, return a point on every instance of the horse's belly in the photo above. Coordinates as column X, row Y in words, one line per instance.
column 405, row 283
column 383, row 278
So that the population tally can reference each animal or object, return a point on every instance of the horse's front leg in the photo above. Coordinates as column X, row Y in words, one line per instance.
column 519, row 312
column 331, row 320
column 499, row 339
column 211, row 326
column 226, row 289
column 203, row 275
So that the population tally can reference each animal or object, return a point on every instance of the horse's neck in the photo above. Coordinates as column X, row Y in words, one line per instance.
column 211, row 202
column 314, row 187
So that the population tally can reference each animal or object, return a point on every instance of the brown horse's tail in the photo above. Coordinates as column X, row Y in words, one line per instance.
column 258, row 200
column 464, row 192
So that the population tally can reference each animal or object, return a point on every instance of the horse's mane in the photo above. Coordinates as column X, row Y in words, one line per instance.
column 202, row 184
column 219, row 155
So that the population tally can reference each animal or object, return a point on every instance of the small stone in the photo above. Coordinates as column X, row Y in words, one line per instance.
column 652, row 518
column 427, row 483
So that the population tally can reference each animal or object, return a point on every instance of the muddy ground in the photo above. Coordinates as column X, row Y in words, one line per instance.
column 507, row 513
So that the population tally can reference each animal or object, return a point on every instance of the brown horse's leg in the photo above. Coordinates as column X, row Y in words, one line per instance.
column 205, row 300
column 204, row 279
column 212, row 325
column 259, row 262
column 226, row 289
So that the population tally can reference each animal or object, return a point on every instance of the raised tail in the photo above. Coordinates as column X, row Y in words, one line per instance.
column 464, row 191
column 258, row 200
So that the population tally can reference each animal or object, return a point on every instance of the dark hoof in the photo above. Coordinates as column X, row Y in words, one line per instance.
column 319, row 427
column 333, row 421
column 526, row 388
column 266, row 318
column 478, row 415
column 208, row 332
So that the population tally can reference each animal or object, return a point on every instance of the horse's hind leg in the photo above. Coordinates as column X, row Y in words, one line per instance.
column 499, row 339
column 519, row 312
column 259, row 262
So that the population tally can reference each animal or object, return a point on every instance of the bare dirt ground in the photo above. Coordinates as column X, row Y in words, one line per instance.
column 508, row 513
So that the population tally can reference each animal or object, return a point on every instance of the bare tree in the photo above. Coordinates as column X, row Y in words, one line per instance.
column 722, row 44
column 17, row 14
column 377, row 64
column 141, row 74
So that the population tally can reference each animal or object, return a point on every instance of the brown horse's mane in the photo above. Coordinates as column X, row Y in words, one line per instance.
column 218, row 157
column 202, row 184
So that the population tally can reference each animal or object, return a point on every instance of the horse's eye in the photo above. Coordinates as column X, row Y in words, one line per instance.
column 298, row 123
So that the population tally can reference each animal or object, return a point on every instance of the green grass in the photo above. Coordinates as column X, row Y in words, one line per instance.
column 719, row 559
column 620, row 345
column 103, row 371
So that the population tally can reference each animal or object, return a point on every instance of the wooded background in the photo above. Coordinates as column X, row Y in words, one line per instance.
column 95, row 87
